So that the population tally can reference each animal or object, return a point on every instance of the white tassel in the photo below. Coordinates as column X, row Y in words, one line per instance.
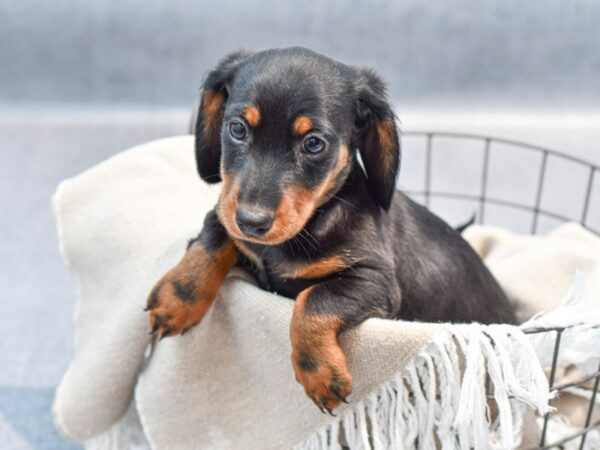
column 334, row 443
column 580, row 337
column 349, row 427
column 505, row 416
column 434, row 396
column 449, row 391
column 363, row 429
column 471, row 418
column 426, row 372
column 410, row 412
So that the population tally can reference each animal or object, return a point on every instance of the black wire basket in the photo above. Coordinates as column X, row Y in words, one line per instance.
column 533, row 210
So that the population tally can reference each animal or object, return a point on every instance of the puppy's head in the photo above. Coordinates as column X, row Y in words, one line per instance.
column 281, row 128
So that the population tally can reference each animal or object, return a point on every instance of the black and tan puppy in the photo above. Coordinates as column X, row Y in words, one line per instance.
column 281, row 129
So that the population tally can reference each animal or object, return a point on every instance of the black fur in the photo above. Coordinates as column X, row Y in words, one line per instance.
column 373, row 105
column 308, row 363
column 208, row 147
column 213, row 235
column 406, row 262
column 185, row 291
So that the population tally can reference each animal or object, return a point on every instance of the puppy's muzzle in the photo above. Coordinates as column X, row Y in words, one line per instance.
column 252, row 222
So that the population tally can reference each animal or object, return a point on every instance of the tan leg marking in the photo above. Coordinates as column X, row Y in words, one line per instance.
column 182, row 296
column 318, row 361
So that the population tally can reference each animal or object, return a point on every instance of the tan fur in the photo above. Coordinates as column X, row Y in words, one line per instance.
column 302, row 125
column 209, row 268
column 212, row 103
column 204, row 272
column 296, row 207
column 387, row 141
column 242, row 247
column 318, row 269
column 316, row 336
column 227, row 205
column 252, row 115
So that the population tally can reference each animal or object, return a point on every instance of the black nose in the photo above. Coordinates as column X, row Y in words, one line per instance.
column 252, row 222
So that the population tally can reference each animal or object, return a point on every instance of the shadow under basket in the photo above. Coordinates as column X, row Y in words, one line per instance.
column 425, row 146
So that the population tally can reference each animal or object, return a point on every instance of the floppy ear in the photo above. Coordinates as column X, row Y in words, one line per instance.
column 377, row 137
column 209, row 116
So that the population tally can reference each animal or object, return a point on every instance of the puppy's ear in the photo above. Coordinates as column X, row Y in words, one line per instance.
column 209, row 116
column 377, row 137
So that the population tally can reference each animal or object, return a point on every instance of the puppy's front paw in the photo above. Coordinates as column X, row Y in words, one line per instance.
column 176, row 304
column 325, row 378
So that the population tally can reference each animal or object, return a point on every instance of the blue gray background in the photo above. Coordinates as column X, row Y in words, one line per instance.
column 541, row 54
column 82, row 80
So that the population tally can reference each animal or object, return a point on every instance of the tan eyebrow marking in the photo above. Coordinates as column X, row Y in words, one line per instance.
column 302, row 125
column 252, row 115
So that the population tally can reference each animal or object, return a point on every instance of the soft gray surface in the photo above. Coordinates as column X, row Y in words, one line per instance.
column 541, row 53
column 38, row 294
column 32, row 163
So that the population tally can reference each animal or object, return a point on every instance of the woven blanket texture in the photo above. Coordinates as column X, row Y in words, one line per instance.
column 228, row 383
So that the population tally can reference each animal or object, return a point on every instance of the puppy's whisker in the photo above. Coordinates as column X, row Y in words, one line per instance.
column 312, row 236
column 291, row 247
column 297, row 241
column 345, row 201
column 316, row 245
column 305, row 238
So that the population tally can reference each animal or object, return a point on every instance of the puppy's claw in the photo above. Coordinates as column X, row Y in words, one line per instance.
column 336, row 390
column 344, row 400
column 330, row 411
column 321, row 408
column 153, row 299
column 166, row 333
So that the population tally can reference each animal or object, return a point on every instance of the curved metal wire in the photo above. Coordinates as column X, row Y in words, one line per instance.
column 488, row 143
column 499, row 140
column 536, row 209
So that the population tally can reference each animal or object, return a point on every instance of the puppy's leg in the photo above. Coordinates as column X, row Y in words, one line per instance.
column 321, row 312
column 183, row 295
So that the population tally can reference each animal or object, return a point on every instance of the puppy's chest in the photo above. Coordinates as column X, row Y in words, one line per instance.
column 285, row 271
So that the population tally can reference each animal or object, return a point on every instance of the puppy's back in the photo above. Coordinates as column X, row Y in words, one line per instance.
column 441, row 277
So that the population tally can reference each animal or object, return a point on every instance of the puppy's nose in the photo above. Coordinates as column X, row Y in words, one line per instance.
column 252, row 222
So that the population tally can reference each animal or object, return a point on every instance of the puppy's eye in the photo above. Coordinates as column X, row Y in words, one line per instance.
column 238, row 130
column 313, row 144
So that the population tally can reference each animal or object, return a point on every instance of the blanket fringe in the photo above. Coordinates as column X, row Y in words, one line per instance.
column 579, row 340
column 440, row 400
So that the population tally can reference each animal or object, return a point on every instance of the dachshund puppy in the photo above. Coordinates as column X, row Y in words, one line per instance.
column 282, row 130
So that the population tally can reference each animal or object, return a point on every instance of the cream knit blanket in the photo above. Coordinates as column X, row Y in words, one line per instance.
column 228, row 383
